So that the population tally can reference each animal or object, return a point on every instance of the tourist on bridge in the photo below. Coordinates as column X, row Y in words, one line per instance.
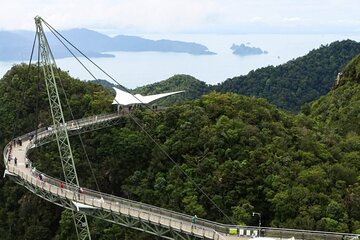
column 42, row 179
column 19, row 141
column 33, row 171
column 15, row 161
column 80, row 190
column 31, row 136
column 26, row 162
column 193, row 220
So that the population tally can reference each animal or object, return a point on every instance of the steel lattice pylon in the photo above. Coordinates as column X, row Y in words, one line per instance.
column 67, row 160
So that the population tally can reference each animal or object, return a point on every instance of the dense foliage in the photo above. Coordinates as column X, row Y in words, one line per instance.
column 299, row 171
column 296, row 82
column 192, row 87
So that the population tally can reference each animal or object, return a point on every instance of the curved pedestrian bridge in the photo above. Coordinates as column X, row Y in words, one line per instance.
column 158, row 221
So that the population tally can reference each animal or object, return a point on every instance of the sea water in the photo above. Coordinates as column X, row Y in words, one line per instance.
column 133, row 69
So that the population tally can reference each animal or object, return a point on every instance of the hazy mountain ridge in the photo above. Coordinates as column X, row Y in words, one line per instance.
column 17, row 44
column 288, row 86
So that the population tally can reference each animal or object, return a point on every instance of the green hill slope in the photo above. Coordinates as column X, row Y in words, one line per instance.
column 339, row 111
column 193, row 88
column 296, row 82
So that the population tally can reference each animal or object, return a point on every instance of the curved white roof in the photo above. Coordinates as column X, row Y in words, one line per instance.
column 125, row 98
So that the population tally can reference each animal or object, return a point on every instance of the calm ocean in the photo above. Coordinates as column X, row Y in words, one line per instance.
column 141, row 68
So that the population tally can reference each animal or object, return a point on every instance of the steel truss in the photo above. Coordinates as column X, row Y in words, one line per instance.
column 67, row 160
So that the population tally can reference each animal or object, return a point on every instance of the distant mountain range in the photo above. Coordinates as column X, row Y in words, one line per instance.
column 16, row 45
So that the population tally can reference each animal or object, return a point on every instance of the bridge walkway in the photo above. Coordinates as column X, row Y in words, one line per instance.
column 89, row 200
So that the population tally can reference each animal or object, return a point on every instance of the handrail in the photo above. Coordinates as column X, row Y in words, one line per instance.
column 75, row 124
column 49, row 184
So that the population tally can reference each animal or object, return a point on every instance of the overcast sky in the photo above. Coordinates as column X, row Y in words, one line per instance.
column 186, row 16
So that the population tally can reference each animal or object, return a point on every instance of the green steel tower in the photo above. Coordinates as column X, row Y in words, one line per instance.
column 67, row 159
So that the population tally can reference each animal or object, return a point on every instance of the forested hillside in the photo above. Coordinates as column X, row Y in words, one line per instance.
column 193, row 88
column 296, row 82
column 299, row 171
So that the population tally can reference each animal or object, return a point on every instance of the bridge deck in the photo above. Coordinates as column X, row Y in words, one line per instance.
column 89, row 199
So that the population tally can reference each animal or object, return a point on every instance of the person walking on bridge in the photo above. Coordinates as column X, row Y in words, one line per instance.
column 193, row 220
column 26, row 162
column 61, row 186
column 9, row 158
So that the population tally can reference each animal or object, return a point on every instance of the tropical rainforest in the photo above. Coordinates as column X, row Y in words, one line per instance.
column 300, row 170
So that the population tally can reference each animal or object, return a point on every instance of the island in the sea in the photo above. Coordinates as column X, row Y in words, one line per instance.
column 15, row 45
column 243, row 50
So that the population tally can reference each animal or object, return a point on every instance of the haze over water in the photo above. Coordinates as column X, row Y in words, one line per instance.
column 133, row 69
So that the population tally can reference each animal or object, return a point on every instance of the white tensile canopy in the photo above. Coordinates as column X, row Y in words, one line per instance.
column 124, row 98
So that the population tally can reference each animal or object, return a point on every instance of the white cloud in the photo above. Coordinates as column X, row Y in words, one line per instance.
column 257, row 19
column 349, row 21
column 176, row 15
column 292, row 19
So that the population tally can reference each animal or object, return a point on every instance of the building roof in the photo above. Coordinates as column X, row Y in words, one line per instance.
column 125, row 98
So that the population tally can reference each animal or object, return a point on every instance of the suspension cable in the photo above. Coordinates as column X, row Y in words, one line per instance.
column 78, row 132
column 23, row 95
column 37, row 96
column 53, row 30
column 72, row 45
column 72, row 115
column 177, row 165
column 91, row 61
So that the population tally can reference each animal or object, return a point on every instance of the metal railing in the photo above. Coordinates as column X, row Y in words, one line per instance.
column 74, row 124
